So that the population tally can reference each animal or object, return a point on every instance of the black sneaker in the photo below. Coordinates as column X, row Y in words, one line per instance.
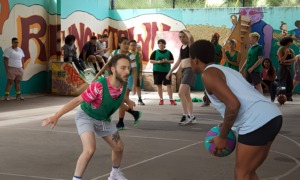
column 183, row 118
column 136, row 115
column 120, row 125
column 289, row 99
column 140, row 102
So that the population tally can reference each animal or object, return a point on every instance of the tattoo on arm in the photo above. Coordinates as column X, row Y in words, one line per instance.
column 116, row 137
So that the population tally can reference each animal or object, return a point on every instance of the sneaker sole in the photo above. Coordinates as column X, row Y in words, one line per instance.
column 121, row 128
column 186, row 122
column 137, row 121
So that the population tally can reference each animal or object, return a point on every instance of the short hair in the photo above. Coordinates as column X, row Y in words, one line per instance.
column 114, row 60
column 232, row 41
column 132, row 41
column 14, row 39
column 93, row 38
column 121, row 39
column 255, row 35
column 68, row 39
column 284, row 41
column 203, row 50
column 161, row 41
column 104, row 36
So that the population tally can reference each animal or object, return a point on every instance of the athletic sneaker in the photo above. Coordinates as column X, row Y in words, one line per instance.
column 120, row 125
column 161, row 102
column 173, row 102
column 116, row 175
column 205, row 104
column 193, row 119
column 136, row 115
column 19, row 97
column 6, row 98
column 188, row 119
column 183, row 118
column 140, row 102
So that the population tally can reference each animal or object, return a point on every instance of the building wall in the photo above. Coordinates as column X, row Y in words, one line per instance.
column 41, row 26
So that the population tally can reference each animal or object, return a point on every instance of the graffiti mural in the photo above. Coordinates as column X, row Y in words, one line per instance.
column 144, row 32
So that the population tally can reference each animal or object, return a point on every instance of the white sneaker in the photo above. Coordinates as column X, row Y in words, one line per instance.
column 116, row 175
column 187, row 120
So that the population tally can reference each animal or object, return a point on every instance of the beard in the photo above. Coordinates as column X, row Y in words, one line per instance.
column 119, row 78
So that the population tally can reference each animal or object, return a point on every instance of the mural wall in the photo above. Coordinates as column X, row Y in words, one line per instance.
column 41, row 26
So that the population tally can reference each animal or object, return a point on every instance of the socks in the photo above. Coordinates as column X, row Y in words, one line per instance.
column 130, row 111
column 18, row 92
column 140, row 98
column 6, row 93
column 121, row 119
column 76, row 178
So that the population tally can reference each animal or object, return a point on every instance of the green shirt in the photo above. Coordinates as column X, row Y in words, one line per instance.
column 218, row 53
column 164, row 67
column 138, row 63
column 233, row 59
column 252, row 57
column 108, row 105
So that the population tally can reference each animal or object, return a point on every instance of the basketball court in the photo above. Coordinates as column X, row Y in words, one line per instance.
column 158, row 149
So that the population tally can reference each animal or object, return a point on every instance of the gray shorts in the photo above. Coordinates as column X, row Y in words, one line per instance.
column 188, row 76
column 85, row 123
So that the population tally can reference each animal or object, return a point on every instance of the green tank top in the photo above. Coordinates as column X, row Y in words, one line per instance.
column 108, row 105
column 233, row 59
column 164, row 67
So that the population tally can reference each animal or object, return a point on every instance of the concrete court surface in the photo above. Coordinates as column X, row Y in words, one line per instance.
column 158, row 149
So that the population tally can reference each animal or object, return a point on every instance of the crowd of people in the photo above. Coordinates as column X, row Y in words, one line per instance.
column 255, row 119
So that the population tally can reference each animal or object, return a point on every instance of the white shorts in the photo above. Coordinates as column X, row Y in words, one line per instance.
column 85, row 123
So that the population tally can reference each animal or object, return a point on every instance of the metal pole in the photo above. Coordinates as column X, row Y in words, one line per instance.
column 243, row 3
column 174, row 4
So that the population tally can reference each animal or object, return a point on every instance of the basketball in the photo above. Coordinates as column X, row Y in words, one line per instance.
column 215, row 131
column 281, row 98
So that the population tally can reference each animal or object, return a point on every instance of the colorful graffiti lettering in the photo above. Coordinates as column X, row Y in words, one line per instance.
column 61, row 86
column 4, row 13
column 35, row 28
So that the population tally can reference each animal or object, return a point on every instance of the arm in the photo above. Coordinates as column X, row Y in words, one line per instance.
column 66, row 108
column 215, row 83
column 281, row 57
column 241, row 69
column 258, row 62
column 22, row 63
column 273, row 77
column 237, row 60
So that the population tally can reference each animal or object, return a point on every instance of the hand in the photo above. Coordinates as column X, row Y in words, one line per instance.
column 287, row 51
column 250, row 70
column 131, row 104
column 50, row 120
column 168, row 76
column 220, row 145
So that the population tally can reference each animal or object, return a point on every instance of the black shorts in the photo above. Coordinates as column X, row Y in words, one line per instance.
column 160, row 78
column 262, row 135
column 253, row 78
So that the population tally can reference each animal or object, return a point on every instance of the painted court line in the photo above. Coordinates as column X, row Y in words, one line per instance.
column 153, row 158
column 36, row 177
column 75, row 132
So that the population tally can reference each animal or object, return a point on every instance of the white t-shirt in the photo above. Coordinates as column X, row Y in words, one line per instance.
column 100, row 46
column 14, row 57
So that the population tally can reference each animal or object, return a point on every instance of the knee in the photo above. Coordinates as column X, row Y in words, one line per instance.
column 242, row 173
column 181, row 94
column 10, row 82
column 89, row 152
column 119, row 148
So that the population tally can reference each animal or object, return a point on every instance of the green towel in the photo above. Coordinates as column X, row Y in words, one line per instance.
column 193, row 100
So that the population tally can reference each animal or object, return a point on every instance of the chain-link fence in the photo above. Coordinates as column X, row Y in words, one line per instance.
column 148, row 4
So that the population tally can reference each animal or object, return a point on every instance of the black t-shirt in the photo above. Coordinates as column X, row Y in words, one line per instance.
column 152, row 57
column 89, row 48
column 185, row 53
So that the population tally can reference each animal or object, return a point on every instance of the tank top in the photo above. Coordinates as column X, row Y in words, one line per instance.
column 185, row 53
column 108, row 105
column 255, row 110
column 233, row 59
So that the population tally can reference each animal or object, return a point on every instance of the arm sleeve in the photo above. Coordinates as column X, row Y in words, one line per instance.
column 6, row 53
column 92, row 92
column 152, row 57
